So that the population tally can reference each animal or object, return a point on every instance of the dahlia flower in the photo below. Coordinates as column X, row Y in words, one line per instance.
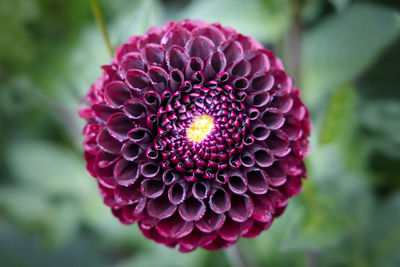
column 196, row 133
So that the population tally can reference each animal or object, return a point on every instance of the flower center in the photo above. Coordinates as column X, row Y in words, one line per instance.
column 200, row 128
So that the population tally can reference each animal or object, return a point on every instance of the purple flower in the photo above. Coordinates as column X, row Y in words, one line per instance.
column 197, row 134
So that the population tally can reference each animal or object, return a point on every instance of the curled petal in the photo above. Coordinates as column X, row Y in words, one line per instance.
column 263, row 208
column 176, row 36
column 174, row 227
column 277, row 173
column 240, row 68
column 116, row 93
column 103, row 111
column 140, row 135
column 240, row 83
column 135, row 109
column 237, row 183
column 210, row 222
column 253, row 113
column 195, row 64
column 272, row 118
column 153, row 54
column 262, row 155
column 177, row 193
column 160, row 207
column 192, row 209
column 260, row 131
column 176, row 58
column 201, row 47
column 137, row 80
column 158, row 77
column 128, row 194
column 132, row 60
column 119, row 125
column 132, row 151
column 108, row 143
column 258, row 61
column 175, row 79
column 149, row 169
column 262, row 81
column 258, row 99
column 278, row 143
column 219, row 201
column 125, row 172
column 257, row 181
column 222, row 177
column 171, row 177
column 152, row 188
column 283, row 103
column 247, row 159
column 211, row 32
column 230, row 231
column 201, row 189
column 152, row 100
column 241, row 208
column 232, row 50
column 215, row 64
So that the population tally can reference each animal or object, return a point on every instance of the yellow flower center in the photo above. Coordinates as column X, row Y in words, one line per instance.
column 200, row 128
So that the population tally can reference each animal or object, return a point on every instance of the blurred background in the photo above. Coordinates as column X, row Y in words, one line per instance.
column 343, row 54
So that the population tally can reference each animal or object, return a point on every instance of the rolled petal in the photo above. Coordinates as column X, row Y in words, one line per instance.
column 153, row 54
column 240, row 83
column 201, row 189
column 247, row 159
column 152, row 100
column 232, row 50
column 237, row 183
column 257, row 181
column 132, row 151
column 125, row 172
column 137, row 80
column 177, row 193
column 278, row 143
column 103, row 111
column 132, row 60
column 211, row 32
column 258, row 61
column 219, row 201
column 262, row 155
column 152, row 188
column 177, row 36
column 241, row 208
column 258, row 99
column 272, row 118
column 128, row 194
column 222, row 177
column 158, row 78
column 108, row 143
column 175, row 79
column 215, row 64
column 116, row 93
column 260, row 131
column 230, row 231
column 201, row 47
column 277, row 173
column 149, row 169
column 140, row 135
column 160, row 207
column 192, row 209
column 176, row 58
column 240, row 68
column 119, row 125
column 174, row 227
column 210, row 222
column 195, row 64
column 262, row 81
column 170, row 177
column 135, row 109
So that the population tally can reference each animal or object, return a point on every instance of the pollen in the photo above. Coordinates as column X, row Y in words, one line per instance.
column 200, row 128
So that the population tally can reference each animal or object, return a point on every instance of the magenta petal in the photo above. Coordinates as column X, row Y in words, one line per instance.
column 176, row 36
column 140, row 135
column 192, row 209
column 257, row 181
column 212, row 33
column 233, row 51
column 108, row 143
column 219, row 201
column 215, row 64
column 132, row 60
column 119, row 125
column 260, row 131
column 277, row 173
column 210, row 222
column 201, row 189
column 160, row 207
column 149, row 169
column 176, row 58
column 230, row 231
column 125, row 172
column 137, row 79
column 152, row 188
column 258, row 61
column 170, row 177
column 128, row 194
column 237, row 183
column 153, row 54
column 273, row 118
column 174, row 227
column 131, row 151
column 103, row 111
column 158, row 78
column 201, row 47
column 241, row 208
column 177, row 193
column 135, row 109
column 263, row 208
column 258, row 99
column 241, row 68
column 278, row 143
column 116, row 93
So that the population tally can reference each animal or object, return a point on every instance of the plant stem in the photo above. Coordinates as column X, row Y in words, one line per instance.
column 100, row 23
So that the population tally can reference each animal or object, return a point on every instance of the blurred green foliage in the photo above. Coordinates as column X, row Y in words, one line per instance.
column 349, row 211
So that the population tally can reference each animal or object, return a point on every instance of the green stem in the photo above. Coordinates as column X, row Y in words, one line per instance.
column 100, row 23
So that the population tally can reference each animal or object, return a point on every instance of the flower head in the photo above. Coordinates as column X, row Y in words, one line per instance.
column 197, row 134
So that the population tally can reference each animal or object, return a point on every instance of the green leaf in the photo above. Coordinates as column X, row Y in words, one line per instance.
column 339, row 49
column 339, row 117
column 266, row 22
